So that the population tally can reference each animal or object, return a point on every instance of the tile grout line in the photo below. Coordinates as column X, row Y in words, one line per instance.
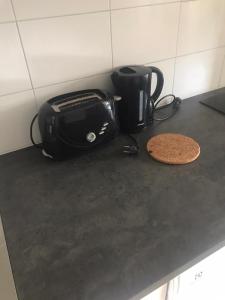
column 149, row 5
column 14, row 93
column 73, row 80
column 106, row 73
column 201, row 51
column 177, row 42
column 63, row 16
column 7, row 22
column 94, row 12
column 24, row 54
column 144, row 63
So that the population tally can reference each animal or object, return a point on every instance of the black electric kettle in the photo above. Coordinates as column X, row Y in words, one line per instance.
column 133, row 84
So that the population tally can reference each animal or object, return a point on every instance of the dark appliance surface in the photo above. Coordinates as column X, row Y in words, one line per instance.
column 134, row 85
column 76, row 121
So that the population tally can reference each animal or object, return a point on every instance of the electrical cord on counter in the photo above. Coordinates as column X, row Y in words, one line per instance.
column 175, row 103
column 31, row 132
column 133, row 149
column 60, row 137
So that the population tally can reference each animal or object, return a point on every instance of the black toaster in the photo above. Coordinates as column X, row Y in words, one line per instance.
column 77, row 121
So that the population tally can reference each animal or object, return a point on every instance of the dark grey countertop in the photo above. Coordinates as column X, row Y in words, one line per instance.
column 105, row 226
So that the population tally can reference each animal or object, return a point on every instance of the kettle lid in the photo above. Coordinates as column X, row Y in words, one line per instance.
column 133, row 70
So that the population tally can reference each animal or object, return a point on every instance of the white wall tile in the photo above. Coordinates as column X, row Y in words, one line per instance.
column 104, row 82
column 144, row 34
column 198, row 73
column 222, row 81
column 7, row 286
column 99, row 82
column 167, row 67
column 6, row 12
column 115, row 4
column 202, row 25
column 222, row 77
column 67, row 48
column 28, row 9
column 13, row 71
column 16, row 113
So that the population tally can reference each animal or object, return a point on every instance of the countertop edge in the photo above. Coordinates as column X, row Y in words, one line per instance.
column 179, row 271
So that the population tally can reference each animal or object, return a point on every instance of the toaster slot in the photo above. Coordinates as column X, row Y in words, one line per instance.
column 73, row 101
column 69, row 105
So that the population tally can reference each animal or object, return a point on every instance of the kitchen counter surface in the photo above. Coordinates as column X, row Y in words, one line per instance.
column 106, row 226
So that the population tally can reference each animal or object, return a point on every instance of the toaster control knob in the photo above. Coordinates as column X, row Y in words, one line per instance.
column 91, row 137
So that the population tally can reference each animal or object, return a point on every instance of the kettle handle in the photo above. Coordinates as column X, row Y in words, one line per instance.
column 159, row 85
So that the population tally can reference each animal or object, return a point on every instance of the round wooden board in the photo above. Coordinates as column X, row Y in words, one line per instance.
column 175, row 149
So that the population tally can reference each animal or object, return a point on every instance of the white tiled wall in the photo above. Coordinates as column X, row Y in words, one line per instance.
column 6, row 12
column 49, row 47
column 144, row 34
column 201, row 70
column 61, row 49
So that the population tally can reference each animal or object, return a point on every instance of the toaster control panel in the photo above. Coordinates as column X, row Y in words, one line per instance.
column 104, row 128
column 91, row 136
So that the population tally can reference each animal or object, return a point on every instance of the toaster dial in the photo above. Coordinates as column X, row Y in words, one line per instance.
column 91, row 137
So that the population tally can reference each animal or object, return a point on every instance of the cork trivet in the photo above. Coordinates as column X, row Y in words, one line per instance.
column 175, row 149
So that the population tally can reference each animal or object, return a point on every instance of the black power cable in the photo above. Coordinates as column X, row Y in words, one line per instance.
column 131, row 149
column 134, row 148
column 174, row 103
column 31, row 132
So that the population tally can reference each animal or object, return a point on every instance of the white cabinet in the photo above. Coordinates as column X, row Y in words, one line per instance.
column 205, row 280
column 159, row 294
column 7, row 287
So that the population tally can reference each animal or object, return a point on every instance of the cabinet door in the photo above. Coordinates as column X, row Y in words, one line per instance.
column 205, row 280
column 159, row 294
column 7, row 287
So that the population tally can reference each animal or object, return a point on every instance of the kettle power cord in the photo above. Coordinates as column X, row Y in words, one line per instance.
column 31, row 133
column 133, row 149
column 175, row 103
